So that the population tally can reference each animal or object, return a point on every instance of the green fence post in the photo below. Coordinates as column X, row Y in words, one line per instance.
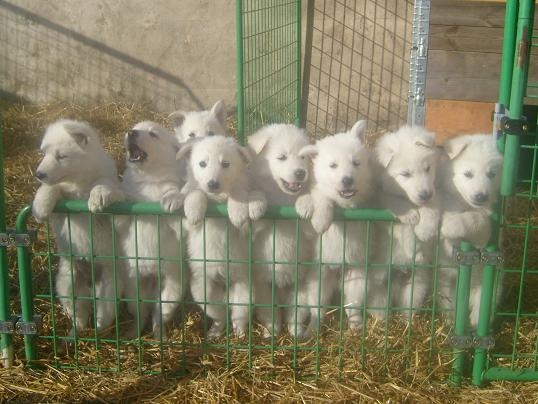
column 25, row 282
column 483, row 329
column 240, row 80
column 507, row 62
column 462, row 314
column 298, row 55
column 517, row 94
column 6, row 339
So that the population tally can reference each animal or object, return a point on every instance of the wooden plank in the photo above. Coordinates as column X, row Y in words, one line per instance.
column 469, row 13
column 464, row 38
column 485, row 89
column 444, row 64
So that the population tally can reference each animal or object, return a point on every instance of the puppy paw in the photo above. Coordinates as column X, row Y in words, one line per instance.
column 452, row 227
column 43, row 204
column 195, row 207
column 321, row 221
column 172, row 201
column 425, row 230
column 411, row 217
column 305, row 206
column 101, row 196
column 257, row 205
column 238, row 212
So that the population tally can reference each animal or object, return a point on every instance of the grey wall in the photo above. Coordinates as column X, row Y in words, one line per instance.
column 168, row 53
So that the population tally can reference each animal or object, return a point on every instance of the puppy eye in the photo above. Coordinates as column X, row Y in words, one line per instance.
column 427, row 169
column 468, row 174
column 203, row 164
column 225, row 164
column 405, row 174
column 210, row 133
column 333, row 165
column 282, row 157
column 153, row 134
column 60, row 156
column 192, row 134
column 356, row 163
column 491, row 174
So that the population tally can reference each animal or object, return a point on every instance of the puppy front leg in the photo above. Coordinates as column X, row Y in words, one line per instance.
column 428, row 225
column 238, row 208
column 104, row 192
column 323, row 214
column 195, row 207
column 404, row 210
column 172, row 199
column 44, row 202
column 257, row 205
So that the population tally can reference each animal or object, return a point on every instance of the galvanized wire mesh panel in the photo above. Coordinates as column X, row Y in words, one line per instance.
column 269, row 62
column 357, row 64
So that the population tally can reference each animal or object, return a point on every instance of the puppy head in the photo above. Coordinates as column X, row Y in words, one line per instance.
column 150, row 146
column 70, row 150
column 410, row 158
column 277, row 150
column 217, row 164
column 195, row 124
column 341, row 165
column 473, row 169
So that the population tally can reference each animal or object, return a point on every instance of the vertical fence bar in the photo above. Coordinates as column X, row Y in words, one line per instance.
column 25, row 282
column 240, row 66
column 6, row 339
column 517, row 94
column 462, row 315
column 298, row 55
column 509, row 40
column 486, row 299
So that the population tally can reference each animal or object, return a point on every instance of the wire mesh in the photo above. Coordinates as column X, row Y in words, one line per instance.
column 357, row 64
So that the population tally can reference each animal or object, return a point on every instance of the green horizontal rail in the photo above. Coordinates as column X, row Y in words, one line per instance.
column 217, row 210
column 513, row 375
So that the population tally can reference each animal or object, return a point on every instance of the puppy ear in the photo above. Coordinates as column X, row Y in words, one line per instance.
column 259, row 140
column 426, row 139
column 359, row 130
column 384, row 154
column 219, row 112
column 176, row 118
column 78, row 135
column 310, row 150
column 246, row 153
column 185, row 150
column 455, row 146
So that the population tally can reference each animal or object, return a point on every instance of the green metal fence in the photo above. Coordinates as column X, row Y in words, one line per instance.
column 269, row 80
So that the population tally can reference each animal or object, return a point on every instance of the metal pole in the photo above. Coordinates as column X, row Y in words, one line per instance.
column 299, row 50
column 240, row 81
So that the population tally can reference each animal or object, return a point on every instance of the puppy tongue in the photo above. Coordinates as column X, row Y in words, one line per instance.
column 294, row 186
column 136, row 153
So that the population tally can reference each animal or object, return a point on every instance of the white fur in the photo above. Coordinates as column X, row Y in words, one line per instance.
column 75, row 166
column 408, row 161
column 219, row 160
column 335, row 158
column 472, row 166
column 283, row 175
column 196, row 124
column 153, row 179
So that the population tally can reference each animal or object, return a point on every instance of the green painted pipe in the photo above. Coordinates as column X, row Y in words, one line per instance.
column 298, row 55
column 6, row 346
column 462, row 315
column 483, row 329
column 507, row 62
column 512, row 375
column 25, row 281
column 239, row 65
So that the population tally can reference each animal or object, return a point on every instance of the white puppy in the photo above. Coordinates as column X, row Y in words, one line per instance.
column 282, row 175
column 195, row 124
column 219, row 251
column 471, row 181
column 342, row 177
column 408, row 161
column 152, row 176
column 75, row 166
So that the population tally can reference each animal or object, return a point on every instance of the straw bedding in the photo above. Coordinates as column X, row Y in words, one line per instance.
column 412, row 373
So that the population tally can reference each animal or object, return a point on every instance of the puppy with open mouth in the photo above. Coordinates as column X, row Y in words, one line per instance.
column 152, row 176
column 283, row 175
column 341, row 177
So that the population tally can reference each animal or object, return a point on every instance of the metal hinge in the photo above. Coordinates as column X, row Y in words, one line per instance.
column 13, row 239
column 514, row 126
column 471, row 341
column 491, row 258
column 8, row 326
column 28, row 327
column 466, row 257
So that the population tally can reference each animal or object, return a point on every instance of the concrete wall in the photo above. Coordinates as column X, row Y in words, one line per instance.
column 168, row 53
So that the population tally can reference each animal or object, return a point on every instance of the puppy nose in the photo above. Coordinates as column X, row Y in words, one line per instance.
column 425, row 195
column 347, row 181
column 40, row 175
column 300, row 174
column 213, row 185
column 480, row 197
